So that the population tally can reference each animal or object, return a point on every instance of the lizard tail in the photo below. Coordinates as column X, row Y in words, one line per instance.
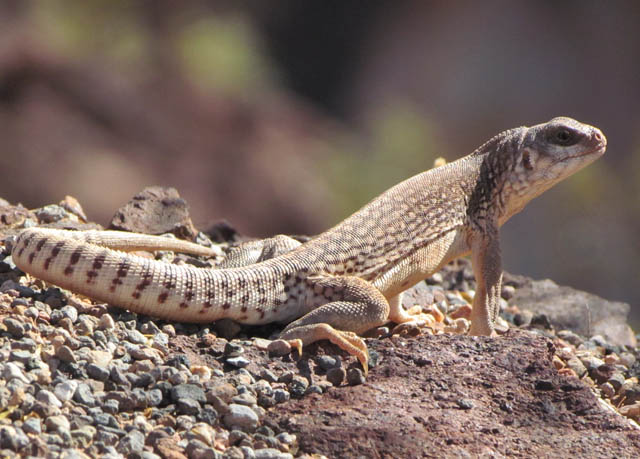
column 142, row 285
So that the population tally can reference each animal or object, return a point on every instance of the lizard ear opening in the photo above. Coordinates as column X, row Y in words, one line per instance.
column 527, row 160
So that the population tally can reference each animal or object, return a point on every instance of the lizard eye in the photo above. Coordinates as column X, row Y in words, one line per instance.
column 564, row 137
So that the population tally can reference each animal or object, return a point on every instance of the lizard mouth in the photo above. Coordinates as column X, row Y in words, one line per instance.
column 599, row 150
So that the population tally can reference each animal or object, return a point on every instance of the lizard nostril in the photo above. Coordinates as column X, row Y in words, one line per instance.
column 598, row 136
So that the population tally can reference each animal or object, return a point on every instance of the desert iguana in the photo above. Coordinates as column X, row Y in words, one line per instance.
column 348, row 279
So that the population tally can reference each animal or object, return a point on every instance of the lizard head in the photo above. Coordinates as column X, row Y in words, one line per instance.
column 548, row 153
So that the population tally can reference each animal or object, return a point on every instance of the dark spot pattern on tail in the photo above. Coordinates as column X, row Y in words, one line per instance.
column 75, row 256
column 25, row 243
column 54, row 253
column 56, row 249
column 99, row 261
column 123, row 269
column 40, row 244
column 163, row 297
column 144, row 283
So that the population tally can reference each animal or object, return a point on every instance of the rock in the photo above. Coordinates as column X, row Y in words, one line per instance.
column 65, row 354
column 48, row 398
column 84, row 395
column 271, row 453
column 278, row 348
column 106, row 322
column 583, row 313
column 155, row 210
column 355, row 377
column 15, row 327
column 12, row 438
column 12, row 371
column 133, row 441
column 577, row 366
column 65, row 390
column 327, row 362
column 32, row 425
column 245, row 399
column 402, row 397
column 187, row 406
column 241, row 417
column 57, row 423
column 52, row 213
column 97, row 372
column 71, row 204
column 298, row 386
column 238, row 362
column 84, row 435
column 336, row 376
column 188, row 391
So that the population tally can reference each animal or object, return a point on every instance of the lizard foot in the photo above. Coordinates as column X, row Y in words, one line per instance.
column 345, row 340
column 414, row 319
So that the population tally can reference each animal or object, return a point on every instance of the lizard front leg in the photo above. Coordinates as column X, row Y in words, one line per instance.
column 487, row 267
column 354, row 306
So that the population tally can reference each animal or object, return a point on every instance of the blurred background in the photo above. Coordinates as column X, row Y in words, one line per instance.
column 287, row 115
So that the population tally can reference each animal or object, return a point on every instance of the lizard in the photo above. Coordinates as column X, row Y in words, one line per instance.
column 348, row 279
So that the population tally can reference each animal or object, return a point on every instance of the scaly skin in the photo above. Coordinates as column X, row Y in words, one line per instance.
column 348, row 279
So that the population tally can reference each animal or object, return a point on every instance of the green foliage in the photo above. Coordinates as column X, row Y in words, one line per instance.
column 401, row 144
column 223, row 53
column 106, row 28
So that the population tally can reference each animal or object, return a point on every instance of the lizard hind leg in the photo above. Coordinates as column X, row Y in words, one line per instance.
column 354, row 307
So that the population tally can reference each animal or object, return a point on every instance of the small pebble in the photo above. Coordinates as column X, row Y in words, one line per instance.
column 32, row 425
column 465, row 403
column 327, row 362
column 187, row 406
column 190, row 391
column 627, row 359
column 65, row 354
column 508, row 291
column 65, row 390
column 298, row 386
column 607, row 390
column 232, row 349
column 281, row 395
column 241, row 417
column 278, row 348
column 106, row 322
column 238, row 362
column 577, row 366
column 57, row 423
column 48, row 398
column 523, row 318
column 14, row 327
column 336, row 376
column 355, row 377
column 132, row 442
column 12, row 371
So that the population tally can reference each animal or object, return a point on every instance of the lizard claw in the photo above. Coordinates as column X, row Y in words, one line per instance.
column 296, row 344
column 345, row 340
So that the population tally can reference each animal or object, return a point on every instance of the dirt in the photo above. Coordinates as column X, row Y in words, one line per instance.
column 444, row 396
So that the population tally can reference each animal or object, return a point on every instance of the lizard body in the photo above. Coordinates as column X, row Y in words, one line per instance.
column 348, row 279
